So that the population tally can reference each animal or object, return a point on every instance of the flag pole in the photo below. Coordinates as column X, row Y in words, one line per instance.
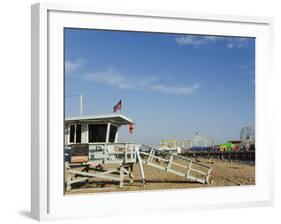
column 120, row 112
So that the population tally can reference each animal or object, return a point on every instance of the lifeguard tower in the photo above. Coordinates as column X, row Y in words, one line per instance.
column 91, row 141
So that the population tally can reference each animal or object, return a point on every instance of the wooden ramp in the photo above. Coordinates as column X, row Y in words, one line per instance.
column 175, row 164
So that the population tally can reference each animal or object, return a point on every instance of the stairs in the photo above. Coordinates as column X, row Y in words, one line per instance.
column 175, row 164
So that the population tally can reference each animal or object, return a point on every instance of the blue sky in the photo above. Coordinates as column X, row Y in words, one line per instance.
column 171, row 85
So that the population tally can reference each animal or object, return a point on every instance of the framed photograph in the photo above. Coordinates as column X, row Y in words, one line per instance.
column 133, row 110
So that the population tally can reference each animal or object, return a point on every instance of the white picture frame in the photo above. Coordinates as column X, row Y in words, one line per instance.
column 48, row 200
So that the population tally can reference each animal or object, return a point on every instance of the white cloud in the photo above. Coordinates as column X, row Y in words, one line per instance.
column 180, row 90
column 151, row 83
column 111, row 78
column 213, row 38
column 207, row 41
column 237, row 42
column 71, row 66
column 190, row 40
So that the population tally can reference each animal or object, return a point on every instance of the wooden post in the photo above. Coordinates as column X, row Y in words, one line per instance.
column 150, row 156
column 208, row 176
column 170, row 162
column 121, row 176
column 116, row 135
column 131, row 173
column 140, row 164
column 189, row 167
column 68, row 182
column 107, row 133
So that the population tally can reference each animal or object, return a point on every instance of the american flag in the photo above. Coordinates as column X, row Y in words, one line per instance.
column 118, row 106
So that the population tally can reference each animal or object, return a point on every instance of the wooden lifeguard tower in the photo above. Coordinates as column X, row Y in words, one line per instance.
column 90, row 142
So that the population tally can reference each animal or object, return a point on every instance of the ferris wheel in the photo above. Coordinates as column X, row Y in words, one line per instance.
column 247, row 136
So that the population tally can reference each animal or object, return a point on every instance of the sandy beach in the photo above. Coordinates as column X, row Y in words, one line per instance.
column 224, row 173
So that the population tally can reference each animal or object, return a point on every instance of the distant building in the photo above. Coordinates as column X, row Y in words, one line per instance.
column 226, row 146
column 171, row 145
column 196, row 143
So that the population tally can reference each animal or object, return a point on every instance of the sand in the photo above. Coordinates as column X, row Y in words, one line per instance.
column 224, row 173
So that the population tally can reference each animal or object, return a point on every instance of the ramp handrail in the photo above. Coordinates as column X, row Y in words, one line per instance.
column 171, row 166
column 177, row 156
